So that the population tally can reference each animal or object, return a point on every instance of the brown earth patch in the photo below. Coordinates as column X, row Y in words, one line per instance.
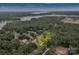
column 70, row 20
column 60, row 50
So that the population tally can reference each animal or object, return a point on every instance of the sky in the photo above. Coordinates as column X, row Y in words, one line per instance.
column 39, row 6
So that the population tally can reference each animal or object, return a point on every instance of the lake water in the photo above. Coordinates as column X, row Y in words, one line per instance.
column 28, row 18
column 2, row 24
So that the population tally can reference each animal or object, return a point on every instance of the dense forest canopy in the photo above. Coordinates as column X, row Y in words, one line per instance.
column 37, row 35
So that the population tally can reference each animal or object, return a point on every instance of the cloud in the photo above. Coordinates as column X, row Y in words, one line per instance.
column 41, row 5
column 48, row 3
column 30, row 5
column 4, row 7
